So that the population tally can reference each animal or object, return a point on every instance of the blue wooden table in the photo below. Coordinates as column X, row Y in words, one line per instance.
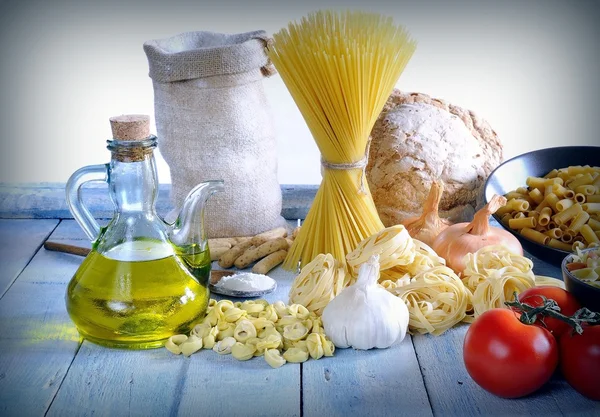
column 47, row 369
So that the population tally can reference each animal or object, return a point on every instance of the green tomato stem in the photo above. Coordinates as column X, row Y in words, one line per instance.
column 549, row 308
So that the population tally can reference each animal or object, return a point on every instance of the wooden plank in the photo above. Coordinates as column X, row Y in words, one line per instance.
column 47, row 200
column 37, row 341
column 115, row 382
column 382, row 382
column 569, row 401
column 453, row 392
column 244, row 388
column 19, row 241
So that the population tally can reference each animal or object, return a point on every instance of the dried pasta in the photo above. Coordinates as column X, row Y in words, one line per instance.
column 340, row 69
column 436, row 299
column 493, row 274
column 318, row 283
column 279, row 332
column 566, row 198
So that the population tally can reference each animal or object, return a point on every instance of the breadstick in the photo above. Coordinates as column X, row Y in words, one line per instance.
column 289, row 241
column 295, row 232
column 268, row 235
column 217, row 251
column 261, row 251
column 269, row 262
column 229, row 257
column 227, row 241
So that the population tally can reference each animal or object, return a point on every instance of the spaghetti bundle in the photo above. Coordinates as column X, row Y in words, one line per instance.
column 340, row 69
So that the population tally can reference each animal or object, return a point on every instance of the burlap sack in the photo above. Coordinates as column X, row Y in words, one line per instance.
column 213, row 122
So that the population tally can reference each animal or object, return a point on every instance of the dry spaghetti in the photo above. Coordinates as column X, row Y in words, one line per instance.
column 340, row 69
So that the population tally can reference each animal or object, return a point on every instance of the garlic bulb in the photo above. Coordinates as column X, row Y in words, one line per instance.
column 364, row 315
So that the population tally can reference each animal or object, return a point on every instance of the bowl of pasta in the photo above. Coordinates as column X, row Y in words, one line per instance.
column 581, row 273
column 553, row 200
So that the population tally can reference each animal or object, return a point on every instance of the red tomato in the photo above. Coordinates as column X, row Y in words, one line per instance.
column 565, row 300
column 506, row 357
column 580, row 360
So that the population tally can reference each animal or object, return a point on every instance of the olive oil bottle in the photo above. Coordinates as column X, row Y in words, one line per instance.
column 135, row 301
column 145, row 279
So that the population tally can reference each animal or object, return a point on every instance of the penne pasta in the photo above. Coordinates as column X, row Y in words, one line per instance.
column 555, row 233
column 562, row 207
column 564, row 204
column 564, row 216
column 594, row 224
column 537, row 196
column 592, row 207
column 579, row 198
column 541, row 183
column 555, row 243
column 562, row 192
column 522, row 190
column 544, row 217
column 578, row 221
column 536, row 236
column 522, row 222
column 586, row 190
column 584, row 179
column 589, row 235
column 566, row 238
column 518, row 204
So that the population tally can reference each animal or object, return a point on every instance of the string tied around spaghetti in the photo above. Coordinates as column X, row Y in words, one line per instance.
column 360, row 164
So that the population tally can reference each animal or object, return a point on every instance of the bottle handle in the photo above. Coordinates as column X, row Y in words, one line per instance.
column 73, row 190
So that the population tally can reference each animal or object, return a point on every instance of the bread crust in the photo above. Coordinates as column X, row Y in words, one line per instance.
column 403, row 161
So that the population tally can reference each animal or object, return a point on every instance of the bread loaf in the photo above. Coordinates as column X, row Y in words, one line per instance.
column 418, row 139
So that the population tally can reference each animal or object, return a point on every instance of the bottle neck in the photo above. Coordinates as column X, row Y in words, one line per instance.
column 133, row 183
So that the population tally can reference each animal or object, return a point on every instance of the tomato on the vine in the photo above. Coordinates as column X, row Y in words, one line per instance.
column 580, row 360
column 565, row 300
column 506, row 357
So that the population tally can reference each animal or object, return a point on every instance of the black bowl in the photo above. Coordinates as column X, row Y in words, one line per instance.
column 587, row 295
column 513, row 173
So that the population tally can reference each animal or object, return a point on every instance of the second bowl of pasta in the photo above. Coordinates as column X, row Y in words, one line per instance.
column 581, row 273
column 553, row 198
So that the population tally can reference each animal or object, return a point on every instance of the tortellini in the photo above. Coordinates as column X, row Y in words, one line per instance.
column 224, row 346
column 242, row 352
column 192, row 345
column 279, row 332
column 295, row 355
column 244, row 331
column 274, row 358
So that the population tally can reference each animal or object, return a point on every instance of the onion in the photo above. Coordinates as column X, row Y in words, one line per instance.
column 429, row 225
column 457, row 240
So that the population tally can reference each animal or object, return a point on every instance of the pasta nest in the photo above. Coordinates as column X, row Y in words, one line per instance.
column 436, row 299
column 318, row 283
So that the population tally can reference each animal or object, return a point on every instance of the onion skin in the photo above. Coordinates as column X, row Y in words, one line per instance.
column 456, row 241
column 429, row 225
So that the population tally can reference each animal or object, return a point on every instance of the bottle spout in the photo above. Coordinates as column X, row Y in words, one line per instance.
column 189, row 230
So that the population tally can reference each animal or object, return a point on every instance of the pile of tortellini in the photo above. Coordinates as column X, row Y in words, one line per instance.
column 279, row 332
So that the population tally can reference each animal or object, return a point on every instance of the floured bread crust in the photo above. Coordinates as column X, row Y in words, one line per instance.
column 418, row 139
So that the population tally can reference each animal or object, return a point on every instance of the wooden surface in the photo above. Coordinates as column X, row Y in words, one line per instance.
column 45, row 369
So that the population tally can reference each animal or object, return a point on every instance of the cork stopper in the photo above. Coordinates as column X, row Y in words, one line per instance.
column 130, row 127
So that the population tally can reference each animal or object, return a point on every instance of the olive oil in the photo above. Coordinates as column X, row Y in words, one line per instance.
column 138, row 294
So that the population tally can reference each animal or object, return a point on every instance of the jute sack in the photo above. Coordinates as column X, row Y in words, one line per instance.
column 213, row 122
